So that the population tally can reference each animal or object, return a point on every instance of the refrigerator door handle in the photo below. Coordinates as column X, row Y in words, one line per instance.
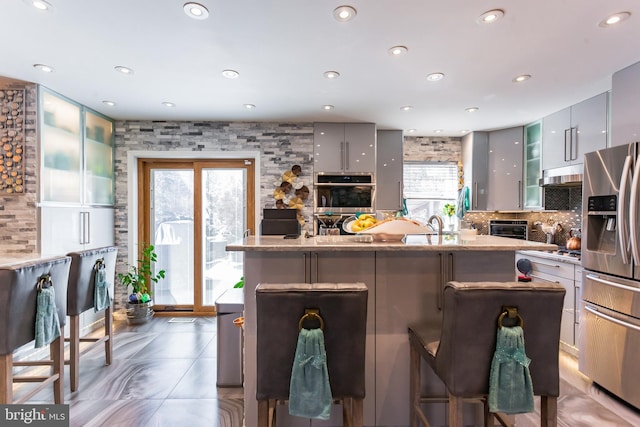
column 614, row 284
column 633, row 217
column 623, row 233
column 612, row 319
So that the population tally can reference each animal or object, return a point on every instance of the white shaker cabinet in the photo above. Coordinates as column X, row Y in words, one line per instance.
column 625, row 106
column 66, row 229
column 389, row 171
column 505, row 169
column 344, row 147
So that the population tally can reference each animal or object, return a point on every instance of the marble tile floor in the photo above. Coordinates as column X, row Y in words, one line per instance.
column 164, row 374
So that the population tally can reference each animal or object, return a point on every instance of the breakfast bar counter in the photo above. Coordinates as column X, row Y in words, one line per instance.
column 405, row 281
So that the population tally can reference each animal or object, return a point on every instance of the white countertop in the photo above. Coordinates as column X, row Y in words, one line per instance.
column 553, row 256
column 410, row 243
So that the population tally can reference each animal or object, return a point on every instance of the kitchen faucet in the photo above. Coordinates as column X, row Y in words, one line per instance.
column 438, row 220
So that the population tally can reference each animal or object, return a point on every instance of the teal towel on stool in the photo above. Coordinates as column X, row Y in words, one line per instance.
column 309, row 390
column 510, row 387
column 47, row 322
column 101, row 298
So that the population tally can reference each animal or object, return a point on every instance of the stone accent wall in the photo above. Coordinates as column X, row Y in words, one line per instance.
column 281, row 145
column 432, row 149
column 18, row 212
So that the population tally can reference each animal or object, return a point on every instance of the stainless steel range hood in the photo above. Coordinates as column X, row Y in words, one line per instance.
column 567, row 176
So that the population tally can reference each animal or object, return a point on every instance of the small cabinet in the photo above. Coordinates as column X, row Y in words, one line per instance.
column 625, row 105
column 66, row 229
column 570, row 133
column 344, row 147
column 475, row 163
column 98, row 159
column 389, row 170
column 532, row 192
column 505, row 169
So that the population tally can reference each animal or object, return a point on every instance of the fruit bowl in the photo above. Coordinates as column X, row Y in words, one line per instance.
column 395, row 229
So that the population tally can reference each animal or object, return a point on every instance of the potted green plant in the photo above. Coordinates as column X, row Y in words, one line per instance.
column 138, row 277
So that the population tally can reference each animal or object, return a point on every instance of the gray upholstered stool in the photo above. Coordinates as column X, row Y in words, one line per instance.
column 80, row 298
column 461, row 351
column 343, row 309
column 18, row 302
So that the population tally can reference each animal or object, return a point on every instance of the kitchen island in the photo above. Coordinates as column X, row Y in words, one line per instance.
column 405, row 281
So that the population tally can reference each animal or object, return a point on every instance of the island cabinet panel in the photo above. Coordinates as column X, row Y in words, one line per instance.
column 407, row 287
column 488, row 266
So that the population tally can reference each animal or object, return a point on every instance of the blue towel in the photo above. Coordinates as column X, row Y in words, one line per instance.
column 463, row 202
column 309, row 390
column 47, row 322
column 510, row 387
column 101, row 298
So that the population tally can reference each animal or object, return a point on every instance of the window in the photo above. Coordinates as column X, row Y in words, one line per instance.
column 428, row 187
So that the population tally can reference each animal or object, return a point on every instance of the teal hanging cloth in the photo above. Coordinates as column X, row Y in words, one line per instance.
column 463, row 202
column 101, row 299
column 510, row 386
column 309, row 390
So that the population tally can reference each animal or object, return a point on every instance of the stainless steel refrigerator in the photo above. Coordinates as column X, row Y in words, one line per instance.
column 609, row 340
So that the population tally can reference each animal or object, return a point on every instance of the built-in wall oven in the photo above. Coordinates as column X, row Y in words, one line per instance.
column 344, row 194
column 513, row 228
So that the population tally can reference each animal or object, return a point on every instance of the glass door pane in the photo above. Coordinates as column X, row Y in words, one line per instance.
column 172, row 228
column 224, row 221
column 98, row 154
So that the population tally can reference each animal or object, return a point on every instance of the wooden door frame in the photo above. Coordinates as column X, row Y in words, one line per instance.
column 143, row 167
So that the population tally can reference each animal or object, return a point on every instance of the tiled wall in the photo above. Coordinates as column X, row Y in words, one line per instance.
column 420, row 149
column 18, row 212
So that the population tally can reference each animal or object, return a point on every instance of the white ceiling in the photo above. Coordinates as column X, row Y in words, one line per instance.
column 281, row 48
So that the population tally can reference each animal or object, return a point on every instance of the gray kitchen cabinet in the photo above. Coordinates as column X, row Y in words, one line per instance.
column 389, row 170
column 505, row 169
column 475, row 164
column 344, row 147
column 625, row 106
column 570, row 133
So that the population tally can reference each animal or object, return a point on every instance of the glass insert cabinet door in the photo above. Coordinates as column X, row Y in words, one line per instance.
column 61, row 149
column 98, row 159
column 533, row 166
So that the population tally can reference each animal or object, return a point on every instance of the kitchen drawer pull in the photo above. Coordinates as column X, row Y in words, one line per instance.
column 612, row 319
column 546, row 280
column 614, row 284
column 545, row 264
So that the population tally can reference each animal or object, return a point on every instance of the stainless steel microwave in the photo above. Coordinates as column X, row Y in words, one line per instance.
column 341, row 193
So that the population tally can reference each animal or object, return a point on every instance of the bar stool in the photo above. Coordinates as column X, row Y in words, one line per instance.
column 18, row 301
column 80, row 298
column 282, row 310
column 461, row 351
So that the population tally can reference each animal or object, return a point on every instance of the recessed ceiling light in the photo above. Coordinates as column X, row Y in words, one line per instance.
column 406, row 108
column 344, row 13
column 331, row 74
column 411, row 130
column 463, row 131
column 328, row 107
column 616, row 18
column 168, row 104
column 230, row 74
column 434, row 77
column 398, row 50
column 196, row 10
column 521, row 78
column 490, row 17
column 39, row 4
column 44, row 68
column 471, row 109
column 109, row 103
column 437, row 131
column 249, row 106
column 124, row 70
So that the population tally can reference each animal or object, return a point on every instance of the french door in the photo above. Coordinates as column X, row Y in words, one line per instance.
column 189, row 210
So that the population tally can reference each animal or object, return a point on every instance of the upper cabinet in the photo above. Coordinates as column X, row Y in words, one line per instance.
column 76, row 151
column 344, row 147
column 625, row 106
column 532, row 166
column 570, row 133
column 389, row 171
column 505, row 169
column 475, row 163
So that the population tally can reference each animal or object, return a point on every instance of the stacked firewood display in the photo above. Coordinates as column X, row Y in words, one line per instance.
column 12, row 141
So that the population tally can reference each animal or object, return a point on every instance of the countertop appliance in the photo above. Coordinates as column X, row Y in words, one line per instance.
column 609, row 340
column 514, row 228
column 344, row 193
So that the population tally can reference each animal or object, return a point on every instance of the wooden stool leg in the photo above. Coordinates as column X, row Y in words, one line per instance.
column 6, row 379
column 74, row 351
column 57, row 349
column 488, row 416
column 414, row 387
column 548, row 411
column 357, row 412
column 263, row 413
column 108, row 332
column 455, row 411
